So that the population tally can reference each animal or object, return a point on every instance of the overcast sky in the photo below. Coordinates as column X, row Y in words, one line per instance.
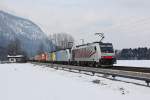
column 126, row 23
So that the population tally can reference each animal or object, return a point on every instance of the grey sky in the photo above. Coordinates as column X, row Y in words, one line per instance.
column 126, row 23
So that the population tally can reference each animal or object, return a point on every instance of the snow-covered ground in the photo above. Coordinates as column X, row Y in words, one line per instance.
column 136, row 63
column 32, row 82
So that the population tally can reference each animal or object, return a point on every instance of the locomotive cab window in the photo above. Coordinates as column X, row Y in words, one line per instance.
column 107, row 48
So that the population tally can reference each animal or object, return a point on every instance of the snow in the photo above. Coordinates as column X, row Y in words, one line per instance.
column 14, row 56
column 135, row 63
column 33, row 82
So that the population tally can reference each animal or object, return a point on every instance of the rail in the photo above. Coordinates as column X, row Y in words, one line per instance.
column 113, row 72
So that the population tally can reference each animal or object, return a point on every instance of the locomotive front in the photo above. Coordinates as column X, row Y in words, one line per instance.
column 107, row 56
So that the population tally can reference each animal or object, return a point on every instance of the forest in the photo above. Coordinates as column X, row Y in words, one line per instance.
column 141, row 53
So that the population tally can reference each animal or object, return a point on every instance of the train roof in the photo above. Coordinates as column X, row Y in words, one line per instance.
column 15, row 56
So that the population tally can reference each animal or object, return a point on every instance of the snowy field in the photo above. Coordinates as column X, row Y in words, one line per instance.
column 30, row 82
column 135, row 63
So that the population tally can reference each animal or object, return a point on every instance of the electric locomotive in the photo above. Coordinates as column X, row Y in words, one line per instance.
column 93, row 54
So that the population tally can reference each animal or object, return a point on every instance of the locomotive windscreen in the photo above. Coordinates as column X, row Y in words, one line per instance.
column 106, row 48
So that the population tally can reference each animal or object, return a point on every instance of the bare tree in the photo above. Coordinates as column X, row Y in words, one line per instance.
column 62, row 40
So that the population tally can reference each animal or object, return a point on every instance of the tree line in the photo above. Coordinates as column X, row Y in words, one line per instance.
column 141, row 53
column 58, row 41
column 61, row 41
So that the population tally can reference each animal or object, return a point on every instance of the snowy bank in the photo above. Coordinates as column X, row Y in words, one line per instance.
column 135, row 63
column 30, row 82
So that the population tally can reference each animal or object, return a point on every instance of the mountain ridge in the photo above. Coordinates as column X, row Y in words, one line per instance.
column 30, row 35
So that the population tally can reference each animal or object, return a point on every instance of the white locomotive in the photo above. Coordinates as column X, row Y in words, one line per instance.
column 94, row 54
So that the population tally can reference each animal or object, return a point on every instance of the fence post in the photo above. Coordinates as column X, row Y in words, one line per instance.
column 147, row 82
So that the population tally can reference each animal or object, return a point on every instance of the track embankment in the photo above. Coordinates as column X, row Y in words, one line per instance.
column 137, row 73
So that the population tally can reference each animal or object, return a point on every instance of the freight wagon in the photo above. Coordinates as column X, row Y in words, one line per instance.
column 63, row 56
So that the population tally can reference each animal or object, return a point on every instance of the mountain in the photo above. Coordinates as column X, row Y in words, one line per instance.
column 30, row 35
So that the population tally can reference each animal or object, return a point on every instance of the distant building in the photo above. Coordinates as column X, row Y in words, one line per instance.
column 17, row 58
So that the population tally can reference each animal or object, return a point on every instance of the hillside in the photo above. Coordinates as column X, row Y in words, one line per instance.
column 30, row 35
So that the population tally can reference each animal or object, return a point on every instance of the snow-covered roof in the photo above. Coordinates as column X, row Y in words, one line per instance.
column 17, row 56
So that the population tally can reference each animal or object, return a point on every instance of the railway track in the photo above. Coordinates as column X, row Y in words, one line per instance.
column 129, row 68
column 137, row 73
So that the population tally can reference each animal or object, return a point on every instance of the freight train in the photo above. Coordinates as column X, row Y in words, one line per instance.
column 92, row 54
